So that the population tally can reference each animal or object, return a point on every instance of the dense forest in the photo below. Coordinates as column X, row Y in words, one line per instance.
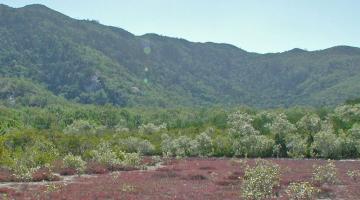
column 47, row 56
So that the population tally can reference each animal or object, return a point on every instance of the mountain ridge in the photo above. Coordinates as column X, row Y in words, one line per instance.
column 86, row 62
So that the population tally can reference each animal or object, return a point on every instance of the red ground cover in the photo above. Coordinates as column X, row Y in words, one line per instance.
column 194, row 178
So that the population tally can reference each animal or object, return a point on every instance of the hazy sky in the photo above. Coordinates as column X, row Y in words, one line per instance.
column 253, row 25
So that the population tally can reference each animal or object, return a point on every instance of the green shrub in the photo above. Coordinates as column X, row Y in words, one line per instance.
column 24, row 168
column 5, row 155
column 83, row 127
column 326, row 174
column 253, row 146
column 105, row 155
column 180, row 147
column 310, row 123
column 74, row 162
column 132, row 160
column 296, row 146
column 151, row 128
column 326, row 145
column 240, row 124
column 136, row 145
column 203, row 145
column 223, row 146
column 301, row 191
column 260, row 181
column 43, row 153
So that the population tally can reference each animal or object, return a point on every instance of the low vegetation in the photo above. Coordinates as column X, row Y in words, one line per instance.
column 301, row 191
column 260, row 181
column 33, row 137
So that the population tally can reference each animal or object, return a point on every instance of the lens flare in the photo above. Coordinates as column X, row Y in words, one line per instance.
column 147, row 50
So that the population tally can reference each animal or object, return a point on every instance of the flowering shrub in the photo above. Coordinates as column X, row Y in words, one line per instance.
column 74, row 162
column 310, row 123
column 43, row 153
column 183, row 146
column 24, row 169
column 132, row 160
column 151, row 128
column 348, row 113
column 253, row 146
column 79, row 126
column 354, row 132
column 326, row 145
column 281, row 126
column 296, row 146
column 203, row 145
column 240, row 124
column 301, row 191
column 353, row 174
column 105, row 155
column 326, row 174
column 136, row 145
column 180, row 147
column 121, row 129
column 260, row 181
column 24, row 165
column 166, row 145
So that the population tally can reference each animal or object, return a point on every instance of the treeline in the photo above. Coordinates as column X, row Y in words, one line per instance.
column 244, row 132
column 33, row 137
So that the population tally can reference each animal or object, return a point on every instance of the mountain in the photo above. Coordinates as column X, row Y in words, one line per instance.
column 87, row 62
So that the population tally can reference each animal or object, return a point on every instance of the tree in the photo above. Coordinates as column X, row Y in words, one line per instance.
column 326, row 145
column 281, row 127
column 240, row 125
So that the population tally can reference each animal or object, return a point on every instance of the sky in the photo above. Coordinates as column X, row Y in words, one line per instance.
column 261, row 26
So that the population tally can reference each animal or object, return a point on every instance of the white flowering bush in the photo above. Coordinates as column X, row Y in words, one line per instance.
column 240, row 124
column 281, row 126
column 74, row 162
column 180, row 147
column 353, row 174
column 253, row 146
column 43, row 153
column 151, row 128
column 327, row 126
column 132, row 160
column 354, row 132
column 80, row 127
column 183, row 146
column 326, row 174
column 136, row 145
column 348, row 113
column 105, row 155
column 260, row 181
column 24, row 167
column 301, row 191
column 326, row 145
column 310, row 123
column 296, row 146
column 25, row 163
column 203, row 145
column 166, row 145
column 121, row 129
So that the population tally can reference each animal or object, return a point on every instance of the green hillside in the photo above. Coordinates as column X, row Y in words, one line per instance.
column 86, row 62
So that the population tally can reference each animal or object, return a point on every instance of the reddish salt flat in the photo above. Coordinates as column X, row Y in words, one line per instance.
column 193, row 178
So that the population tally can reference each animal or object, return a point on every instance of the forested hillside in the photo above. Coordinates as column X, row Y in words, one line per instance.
column 47, row 57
